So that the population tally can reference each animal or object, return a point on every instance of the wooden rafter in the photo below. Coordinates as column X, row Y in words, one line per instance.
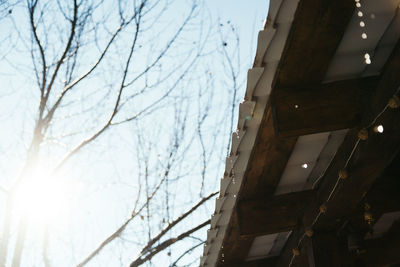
column 270, row 215
column 382, row 251
column 370, row 159
column 316, row 32
column 326, row 107
column 266, row 167
column 252, row 263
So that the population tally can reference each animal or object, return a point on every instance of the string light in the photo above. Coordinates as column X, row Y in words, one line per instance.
column 309, row 232
column 367, row 58
column 394, row 102
column 363, row 134
column 368, row 217
column 323, row 208
column 296, row 251
column 343, row 174
column 378, row 128
column 367, row 214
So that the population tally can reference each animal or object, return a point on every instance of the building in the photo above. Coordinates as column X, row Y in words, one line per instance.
column 313, row 178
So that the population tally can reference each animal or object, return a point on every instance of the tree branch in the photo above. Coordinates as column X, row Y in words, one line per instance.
column 67, row 88
column 61, row 60
column 31, row 9
column 175, row 222
column 116, row 105
column 186, row 252
column 166, row 244
column 118, row 232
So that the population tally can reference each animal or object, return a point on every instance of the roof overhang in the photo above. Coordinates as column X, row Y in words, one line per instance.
column 307, row 95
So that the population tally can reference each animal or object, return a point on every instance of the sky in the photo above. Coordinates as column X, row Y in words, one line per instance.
column 247, row 16
column 105, row 175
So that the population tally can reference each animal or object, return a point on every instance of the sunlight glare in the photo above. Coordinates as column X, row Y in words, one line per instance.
column 45, row 199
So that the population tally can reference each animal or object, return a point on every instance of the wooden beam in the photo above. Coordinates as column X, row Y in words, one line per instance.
column 382, row 251
column 322, row 249
column 322, row 108
column 384, row 194
column 285, row 258
column 268, row 161
column 371, row 156
column 383, row 197
column 316, row 33
column 266, row 166
column 235, row 248
column 270, row 215
column 267, row 262
column 317, row 30
column 368, row 163
column 327, row 249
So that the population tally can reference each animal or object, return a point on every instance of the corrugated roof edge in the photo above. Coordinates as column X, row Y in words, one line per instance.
column 270, row 45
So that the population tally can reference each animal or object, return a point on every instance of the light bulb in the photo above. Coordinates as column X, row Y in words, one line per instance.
column 379, row 128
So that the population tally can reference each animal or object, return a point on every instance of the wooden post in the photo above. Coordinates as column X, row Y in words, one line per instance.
column 326, row 250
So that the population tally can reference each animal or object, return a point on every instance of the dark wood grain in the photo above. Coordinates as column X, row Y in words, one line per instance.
column 326, row 107
column 270, row 215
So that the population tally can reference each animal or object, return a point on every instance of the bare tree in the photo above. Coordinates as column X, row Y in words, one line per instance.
column 230, row 51
column 98, row 74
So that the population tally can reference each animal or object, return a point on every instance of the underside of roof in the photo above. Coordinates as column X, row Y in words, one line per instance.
column 322, row 77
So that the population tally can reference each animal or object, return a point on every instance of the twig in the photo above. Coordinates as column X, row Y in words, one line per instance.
column 166, row 244
column 186, row 252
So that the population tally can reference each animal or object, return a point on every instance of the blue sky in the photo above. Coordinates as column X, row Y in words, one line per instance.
column 247, row 16
column 107, row 170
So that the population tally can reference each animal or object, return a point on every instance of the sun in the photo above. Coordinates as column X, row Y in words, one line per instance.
column 44, row 197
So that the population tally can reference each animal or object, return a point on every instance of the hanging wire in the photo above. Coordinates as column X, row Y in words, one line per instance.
column 339, row 178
